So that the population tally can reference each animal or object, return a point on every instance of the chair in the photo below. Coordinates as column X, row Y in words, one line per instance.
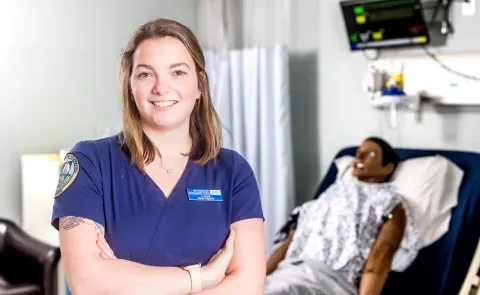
column 27, row 266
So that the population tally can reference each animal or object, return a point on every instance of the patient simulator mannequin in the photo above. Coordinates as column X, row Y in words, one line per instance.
column 344, row 242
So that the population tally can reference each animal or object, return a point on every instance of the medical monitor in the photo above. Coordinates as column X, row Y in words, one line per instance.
column 376, row 24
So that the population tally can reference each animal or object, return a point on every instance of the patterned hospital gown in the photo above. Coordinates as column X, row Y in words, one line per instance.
column 340, row 227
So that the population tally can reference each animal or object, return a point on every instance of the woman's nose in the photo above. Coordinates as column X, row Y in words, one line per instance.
column 161, row 87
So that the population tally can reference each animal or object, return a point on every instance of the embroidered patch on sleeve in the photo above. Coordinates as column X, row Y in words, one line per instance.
column 68, row 174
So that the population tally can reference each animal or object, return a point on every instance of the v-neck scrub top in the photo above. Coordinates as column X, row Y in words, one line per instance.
column 99, row 183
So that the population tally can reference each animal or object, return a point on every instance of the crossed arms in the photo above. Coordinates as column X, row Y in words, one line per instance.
column 88, row 273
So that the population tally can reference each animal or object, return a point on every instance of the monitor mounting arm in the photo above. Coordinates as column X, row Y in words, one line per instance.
column 443, row 7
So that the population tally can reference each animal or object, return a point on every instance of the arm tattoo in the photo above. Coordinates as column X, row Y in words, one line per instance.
column 71, row 222
column 99, row 228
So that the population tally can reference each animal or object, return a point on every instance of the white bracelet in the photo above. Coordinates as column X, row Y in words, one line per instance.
column 195, row 277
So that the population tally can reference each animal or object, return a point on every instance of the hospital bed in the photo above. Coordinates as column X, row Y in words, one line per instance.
column 441, row 267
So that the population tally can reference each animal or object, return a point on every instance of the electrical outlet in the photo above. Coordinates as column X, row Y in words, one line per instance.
column 469, row 8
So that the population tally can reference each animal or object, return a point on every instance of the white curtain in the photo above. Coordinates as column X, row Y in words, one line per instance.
column 247, row 63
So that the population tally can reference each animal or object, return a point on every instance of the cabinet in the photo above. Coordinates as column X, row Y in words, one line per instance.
column 39, row 177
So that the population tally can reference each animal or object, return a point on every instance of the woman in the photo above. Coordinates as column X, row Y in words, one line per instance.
column 163, row 194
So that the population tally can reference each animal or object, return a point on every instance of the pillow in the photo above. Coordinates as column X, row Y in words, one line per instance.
column 344, row 167
column 429, row 186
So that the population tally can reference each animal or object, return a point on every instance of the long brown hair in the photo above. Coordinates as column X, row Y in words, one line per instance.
column 205, row 124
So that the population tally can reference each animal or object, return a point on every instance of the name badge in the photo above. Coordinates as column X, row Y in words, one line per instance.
column 204, row 195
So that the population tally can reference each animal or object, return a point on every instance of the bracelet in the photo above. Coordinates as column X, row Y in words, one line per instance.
column 195, row 277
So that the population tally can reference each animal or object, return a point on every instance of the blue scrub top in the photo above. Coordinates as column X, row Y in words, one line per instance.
column 98, row 182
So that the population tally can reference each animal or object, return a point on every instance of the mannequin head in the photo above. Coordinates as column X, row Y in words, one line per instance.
column 375, row 161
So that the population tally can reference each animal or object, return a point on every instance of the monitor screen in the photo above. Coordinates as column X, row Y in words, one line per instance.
column 375, row 24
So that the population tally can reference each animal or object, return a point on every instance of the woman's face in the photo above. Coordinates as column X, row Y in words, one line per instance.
column 164, row 82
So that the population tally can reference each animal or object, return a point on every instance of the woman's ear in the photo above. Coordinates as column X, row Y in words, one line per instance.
column 202, row 82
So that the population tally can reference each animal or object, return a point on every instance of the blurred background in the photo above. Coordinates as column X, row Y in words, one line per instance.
column 284, row 78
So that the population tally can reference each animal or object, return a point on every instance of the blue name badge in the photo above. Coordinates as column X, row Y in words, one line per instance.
column 204, row 194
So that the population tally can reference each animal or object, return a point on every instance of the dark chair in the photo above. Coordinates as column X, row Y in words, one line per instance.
column 27, row 265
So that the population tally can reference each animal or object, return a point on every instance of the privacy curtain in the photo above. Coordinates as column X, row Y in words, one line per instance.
column 247, row 64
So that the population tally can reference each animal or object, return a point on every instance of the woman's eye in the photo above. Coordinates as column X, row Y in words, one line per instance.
column 143, row 75
column 179, row 73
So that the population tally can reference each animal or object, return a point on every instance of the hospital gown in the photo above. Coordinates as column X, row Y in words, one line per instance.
column 333, row 239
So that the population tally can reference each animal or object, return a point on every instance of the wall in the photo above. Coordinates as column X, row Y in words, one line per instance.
column 342, row 103
column 304, row 76
column 58, row 62
column 331, row 112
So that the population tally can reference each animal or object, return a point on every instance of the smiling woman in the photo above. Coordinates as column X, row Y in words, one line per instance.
column 173, row 83
column 161, row 208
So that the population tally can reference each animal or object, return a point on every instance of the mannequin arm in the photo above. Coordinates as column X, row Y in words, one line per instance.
column 379, row 260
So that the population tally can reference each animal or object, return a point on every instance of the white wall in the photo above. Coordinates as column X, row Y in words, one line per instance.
column 304, row 77
column 342, row 114
column 58, row 79
column 342, row 104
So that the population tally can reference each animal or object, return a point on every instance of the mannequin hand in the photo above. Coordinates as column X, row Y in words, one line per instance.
column 214, row 272
column 105, row 251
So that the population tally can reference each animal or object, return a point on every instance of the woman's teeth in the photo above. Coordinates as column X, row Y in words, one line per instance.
column 164, row 103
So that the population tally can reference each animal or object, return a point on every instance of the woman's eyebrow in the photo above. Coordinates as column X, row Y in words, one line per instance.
column 144, row 66
column 178, row 64
column 175, row 65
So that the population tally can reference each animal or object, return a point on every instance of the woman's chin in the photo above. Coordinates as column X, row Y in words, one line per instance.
column 165, row 123
column 162, row 121
column 162, row 125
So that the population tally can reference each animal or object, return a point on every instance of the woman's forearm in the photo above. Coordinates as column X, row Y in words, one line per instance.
column 119, row 276
column 88, row 273
column 236, row 284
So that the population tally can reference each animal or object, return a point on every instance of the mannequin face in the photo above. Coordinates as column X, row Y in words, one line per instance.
column 368, row 164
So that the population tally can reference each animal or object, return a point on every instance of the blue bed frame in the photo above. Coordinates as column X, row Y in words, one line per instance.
column 441, row 267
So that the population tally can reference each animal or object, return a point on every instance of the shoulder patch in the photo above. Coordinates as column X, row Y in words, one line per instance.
column 68, row 173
